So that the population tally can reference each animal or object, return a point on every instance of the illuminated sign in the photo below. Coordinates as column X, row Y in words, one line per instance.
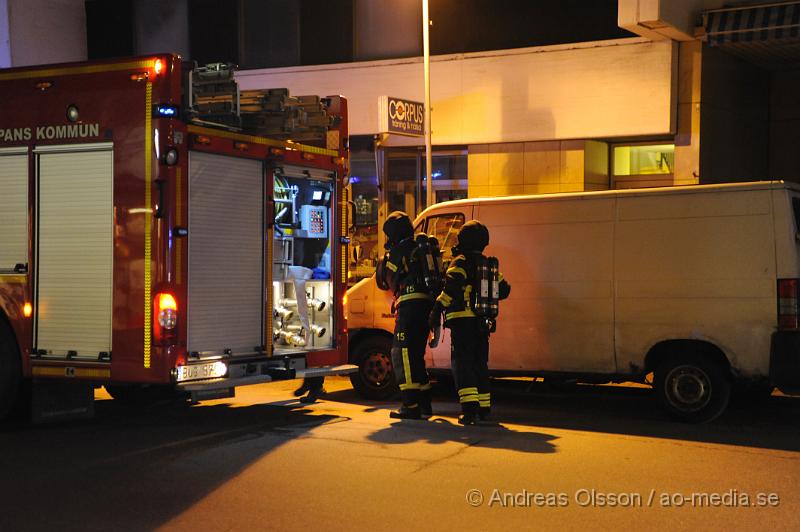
column 71, row 131
column 402, row 117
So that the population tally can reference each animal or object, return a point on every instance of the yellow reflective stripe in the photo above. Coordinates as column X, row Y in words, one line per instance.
column 410, row 386
column 391, row 266
column 288, row 145
column 415, row 405
column 460, row 314
column 444, row 299
column 463, row 391
column 485, row 400
column 426, row 386
column 406, row 367
column 500, row 278
column 415, row 295
column 468, row 399
column 89, row 69
column 456, row 269
column 148, row 176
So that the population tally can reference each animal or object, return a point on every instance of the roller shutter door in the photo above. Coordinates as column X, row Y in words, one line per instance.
column 74, row 250
column 226, row 255
column 13, row 208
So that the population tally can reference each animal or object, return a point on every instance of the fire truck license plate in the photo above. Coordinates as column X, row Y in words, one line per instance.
column 211, row 370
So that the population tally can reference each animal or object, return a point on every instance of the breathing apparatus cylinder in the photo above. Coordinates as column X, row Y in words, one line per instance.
column 486, row 291
column 429, row 258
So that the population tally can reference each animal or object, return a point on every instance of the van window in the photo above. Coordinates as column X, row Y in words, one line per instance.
column 445, row 228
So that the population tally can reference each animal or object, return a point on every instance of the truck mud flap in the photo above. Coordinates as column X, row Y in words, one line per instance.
column 61, row 401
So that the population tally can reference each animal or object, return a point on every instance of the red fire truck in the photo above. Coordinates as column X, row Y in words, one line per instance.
column 160, row 229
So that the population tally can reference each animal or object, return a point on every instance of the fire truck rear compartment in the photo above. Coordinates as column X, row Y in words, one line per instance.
column 302, row 286
column 225, row 306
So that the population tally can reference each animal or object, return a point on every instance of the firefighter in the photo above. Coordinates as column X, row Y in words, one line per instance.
column 469, row 353
column 400, row 272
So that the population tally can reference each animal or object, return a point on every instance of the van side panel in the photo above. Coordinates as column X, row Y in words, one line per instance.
column 558, row 256
column 699, row 266
column 786, row 243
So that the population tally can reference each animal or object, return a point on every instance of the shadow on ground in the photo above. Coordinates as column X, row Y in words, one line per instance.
column 439, row 430
column 771, row 423
column 140, row 467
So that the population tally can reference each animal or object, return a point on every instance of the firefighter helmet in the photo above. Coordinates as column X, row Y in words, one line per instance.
column 473, row 237
column 397, row 227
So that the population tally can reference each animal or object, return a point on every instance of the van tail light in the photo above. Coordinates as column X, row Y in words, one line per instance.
column 165, row 316
column 787, row 304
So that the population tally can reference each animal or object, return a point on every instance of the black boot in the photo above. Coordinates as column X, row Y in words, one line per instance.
column 485, row 414
column 470, row 414
column 468, row 419
column 302, row 389
column 406, row 412
column 313, row 396
column 425, row 407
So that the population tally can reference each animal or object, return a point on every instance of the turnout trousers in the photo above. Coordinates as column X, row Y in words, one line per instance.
column 408, row 352
column 469, row 359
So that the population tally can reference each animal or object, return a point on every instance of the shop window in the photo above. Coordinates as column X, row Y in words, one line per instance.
column 643, row 165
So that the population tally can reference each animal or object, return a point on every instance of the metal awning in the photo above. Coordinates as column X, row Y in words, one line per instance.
column 767, row 35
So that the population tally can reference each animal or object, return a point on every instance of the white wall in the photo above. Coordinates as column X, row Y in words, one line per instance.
column 587, row 90
column 46, row 31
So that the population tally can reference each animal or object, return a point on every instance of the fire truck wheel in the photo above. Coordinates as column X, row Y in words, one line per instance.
column 142, row 395
column 10, row 372
column 692, row 388
column 374, row 378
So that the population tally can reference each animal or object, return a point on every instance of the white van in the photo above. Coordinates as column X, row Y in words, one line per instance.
column 697, row 285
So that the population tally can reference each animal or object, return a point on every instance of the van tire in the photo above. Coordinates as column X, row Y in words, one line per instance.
column 693, row 389
column 10, row 373
column 375, row 377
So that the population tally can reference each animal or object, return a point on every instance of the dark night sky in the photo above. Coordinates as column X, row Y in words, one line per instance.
column 290, row 32
column 475, row 25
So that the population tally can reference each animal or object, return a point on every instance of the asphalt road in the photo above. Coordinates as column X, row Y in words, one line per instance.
column 589, row 458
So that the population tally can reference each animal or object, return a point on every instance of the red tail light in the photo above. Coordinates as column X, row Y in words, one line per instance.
column 787, row 304
column 165, row 316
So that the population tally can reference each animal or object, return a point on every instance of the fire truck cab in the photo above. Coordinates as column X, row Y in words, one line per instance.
column 160, row 229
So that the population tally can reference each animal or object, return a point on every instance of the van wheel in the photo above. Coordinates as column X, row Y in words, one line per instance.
column 692, row 389
column 10, row 373
column 375, row 377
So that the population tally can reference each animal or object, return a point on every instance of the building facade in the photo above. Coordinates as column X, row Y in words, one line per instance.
column 580, row 96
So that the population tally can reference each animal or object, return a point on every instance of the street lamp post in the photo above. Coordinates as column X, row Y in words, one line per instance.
column 426, row 61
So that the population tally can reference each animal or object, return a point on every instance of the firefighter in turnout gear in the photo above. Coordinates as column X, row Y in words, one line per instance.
column 469, row 302
column 401, row 272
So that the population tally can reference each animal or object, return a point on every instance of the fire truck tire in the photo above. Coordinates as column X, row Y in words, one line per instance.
column 143, row 395
column 374, row 378
column 10, row 372
column 692, row 388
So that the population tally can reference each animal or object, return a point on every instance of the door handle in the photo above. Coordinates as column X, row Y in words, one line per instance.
column 21, row 267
